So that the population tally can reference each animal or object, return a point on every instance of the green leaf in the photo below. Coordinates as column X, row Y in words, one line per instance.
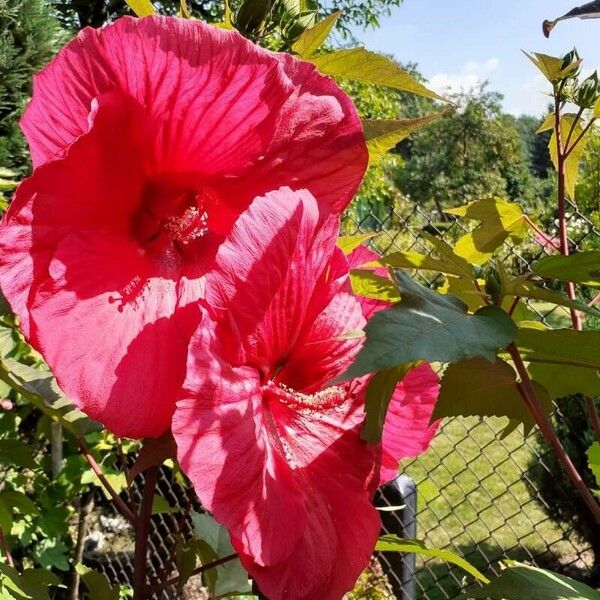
column 348, row 243
column 582, row 268
column 377, row 400
column 142, row 8
column 521, row 286
column 20, row 501
column 359, row 64
column 422, row 262
column 310, row 40
column 383, row 135
column 227, row 22
column 593, row 455
column 520, row 581
column 6, row 518
column 500, row 220
column 161, row 506
column 252, row 15
column 559, row 346
column 97, row 584
column 478, row 387
column 52, row 552
column 368, row 284
column 32, row 584
column 392, row 543
column 448, row 255
column 429, row 326
column 40, row 388
column 231, row 576
column 15, row 453
column 572, row 380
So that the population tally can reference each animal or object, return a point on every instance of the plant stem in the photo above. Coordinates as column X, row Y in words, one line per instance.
column 197, row 571
column 6, row 549
column 530, row 397
column 86, row 505
column 142, row 529
column 119, row 503
column 562, row 152
column 594, row 300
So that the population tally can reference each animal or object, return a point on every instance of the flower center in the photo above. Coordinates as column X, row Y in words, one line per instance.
column 322, row 400
column 171, row 218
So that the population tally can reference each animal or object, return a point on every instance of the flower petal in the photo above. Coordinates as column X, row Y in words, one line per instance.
column 117, row 344
column 223, row 107
column 266, row 273
column 408, row 430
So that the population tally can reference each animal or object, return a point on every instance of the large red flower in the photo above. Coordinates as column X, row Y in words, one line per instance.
column 273, row 451
column 150, row 137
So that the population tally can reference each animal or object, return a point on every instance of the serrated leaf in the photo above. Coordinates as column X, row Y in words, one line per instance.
column 368, row 284
column 231, row 576
column 500, row 220
column 520, row 581
column 551, row 66
column 348, row 243
column 392, row 543
column 377, row 400
column 559, row 346
column 383, row 135
column 478, row 387
column 523, row 287
column 142, row 8
column 581, row 267
column 359, row 64
column 593, row 456
column 310, row 40
column 446, row 252
column 429, row 326
column 98, row 586
column 52, row 553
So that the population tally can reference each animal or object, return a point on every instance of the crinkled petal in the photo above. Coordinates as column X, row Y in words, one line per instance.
column 224, row 447
column 408, row 430
column 264, row 282
column 223, row 107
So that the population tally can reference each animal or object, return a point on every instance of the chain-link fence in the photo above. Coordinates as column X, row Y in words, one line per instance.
column 477, row 493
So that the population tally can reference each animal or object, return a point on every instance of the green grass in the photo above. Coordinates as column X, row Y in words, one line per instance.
column 473, row 498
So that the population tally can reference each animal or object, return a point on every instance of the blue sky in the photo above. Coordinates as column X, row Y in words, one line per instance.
column 459, row 42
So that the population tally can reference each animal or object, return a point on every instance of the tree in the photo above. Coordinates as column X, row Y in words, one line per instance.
column 29, row 36
column 473, row 153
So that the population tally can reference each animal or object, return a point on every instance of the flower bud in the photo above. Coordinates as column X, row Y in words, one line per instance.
column 588, row 92
column 571, row 62
column 493, row 285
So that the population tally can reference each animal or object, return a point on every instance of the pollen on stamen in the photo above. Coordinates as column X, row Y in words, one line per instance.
column 189, row 226
column 330, row 397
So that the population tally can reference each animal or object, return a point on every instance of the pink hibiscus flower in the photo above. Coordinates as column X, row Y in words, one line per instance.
column 273, row 451
column 150, row 137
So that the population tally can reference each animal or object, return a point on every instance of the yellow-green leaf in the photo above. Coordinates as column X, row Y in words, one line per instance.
column 567, row 123
column 142, row 8
column 362, row 65
column 581, row 267
column 366, row 283
column 313, row 38
column 227, row 22
column 551, row 66
column 384, row 134
column 348, row 243
column 500, row 220
column 593, row 455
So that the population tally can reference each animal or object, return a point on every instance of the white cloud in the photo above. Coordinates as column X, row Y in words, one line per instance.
column 471, row 75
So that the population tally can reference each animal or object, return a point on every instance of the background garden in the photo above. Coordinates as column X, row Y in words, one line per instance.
column 481, row 493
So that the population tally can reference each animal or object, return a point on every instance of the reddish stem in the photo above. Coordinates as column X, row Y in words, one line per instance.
column 119, row 502
column 532, row 402
column 594, row 300
column 563, row 152
column 6, row 549
column 142, row 529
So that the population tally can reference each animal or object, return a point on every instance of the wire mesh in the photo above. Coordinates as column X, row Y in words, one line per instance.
column 476, row 492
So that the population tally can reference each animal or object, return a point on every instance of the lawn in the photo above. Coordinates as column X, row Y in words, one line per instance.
column 473, row 498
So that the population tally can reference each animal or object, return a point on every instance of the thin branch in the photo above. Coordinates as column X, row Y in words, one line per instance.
column 573, row 125
column 6, row 549
column 119, row 502
column 197, row 571
column 532, row 402
column 142, row 530
column 86, row 505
